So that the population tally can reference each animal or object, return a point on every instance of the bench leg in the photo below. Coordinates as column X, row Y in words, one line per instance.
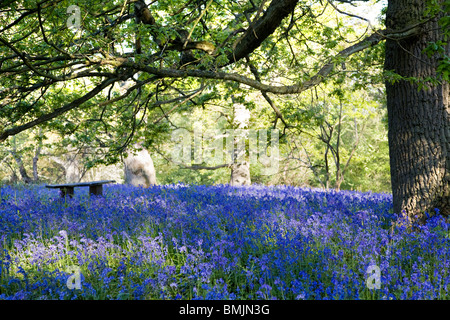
column 66, row 191
column 96, row 190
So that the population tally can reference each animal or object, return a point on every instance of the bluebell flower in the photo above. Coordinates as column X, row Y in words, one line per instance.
column 305, row 242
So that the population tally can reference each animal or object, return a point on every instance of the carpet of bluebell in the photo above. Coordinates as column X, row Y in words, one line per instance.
column 216, row 242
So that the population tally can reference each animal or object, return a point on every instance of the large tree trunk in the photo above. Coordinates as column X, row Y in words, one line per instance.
column 419, row 131
column 139, row 169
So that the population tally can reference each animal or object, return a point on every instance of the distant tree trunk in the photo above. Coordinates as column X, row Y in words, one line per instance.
column 14, row 178
column 240, row 169
column 23, row 172
column 326, row 133
column 35, row 168
column 419, row 130
column 139, row 169
column 37, row 154
column 18, row 158
column 240, row 174
column 71, row 166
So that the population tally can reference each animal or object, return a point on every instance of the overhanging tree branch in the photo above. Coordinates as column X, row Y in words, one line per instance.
column 74, row 104
column 257, row 32
column 262, row 28
column 129, row 64
column 326, row 69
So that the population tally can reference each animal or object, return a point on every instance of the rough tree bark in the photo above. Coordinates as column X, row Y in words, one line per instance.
column 419, row 131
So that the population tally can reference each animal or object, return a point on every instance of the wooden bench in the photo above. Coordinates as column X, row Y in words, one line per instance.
column 95, row 187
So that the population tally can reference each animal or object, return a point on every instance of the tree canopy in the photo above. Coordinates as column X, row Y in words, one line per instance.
column 156, row 46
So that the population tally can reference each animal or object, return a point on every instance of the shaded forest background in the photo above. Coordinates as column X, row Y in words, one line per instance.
column 332, row 136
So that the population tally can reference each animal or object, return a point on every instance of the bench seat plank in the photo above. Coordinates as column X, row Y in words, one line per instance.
column 79, row 184
column 95, row 187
